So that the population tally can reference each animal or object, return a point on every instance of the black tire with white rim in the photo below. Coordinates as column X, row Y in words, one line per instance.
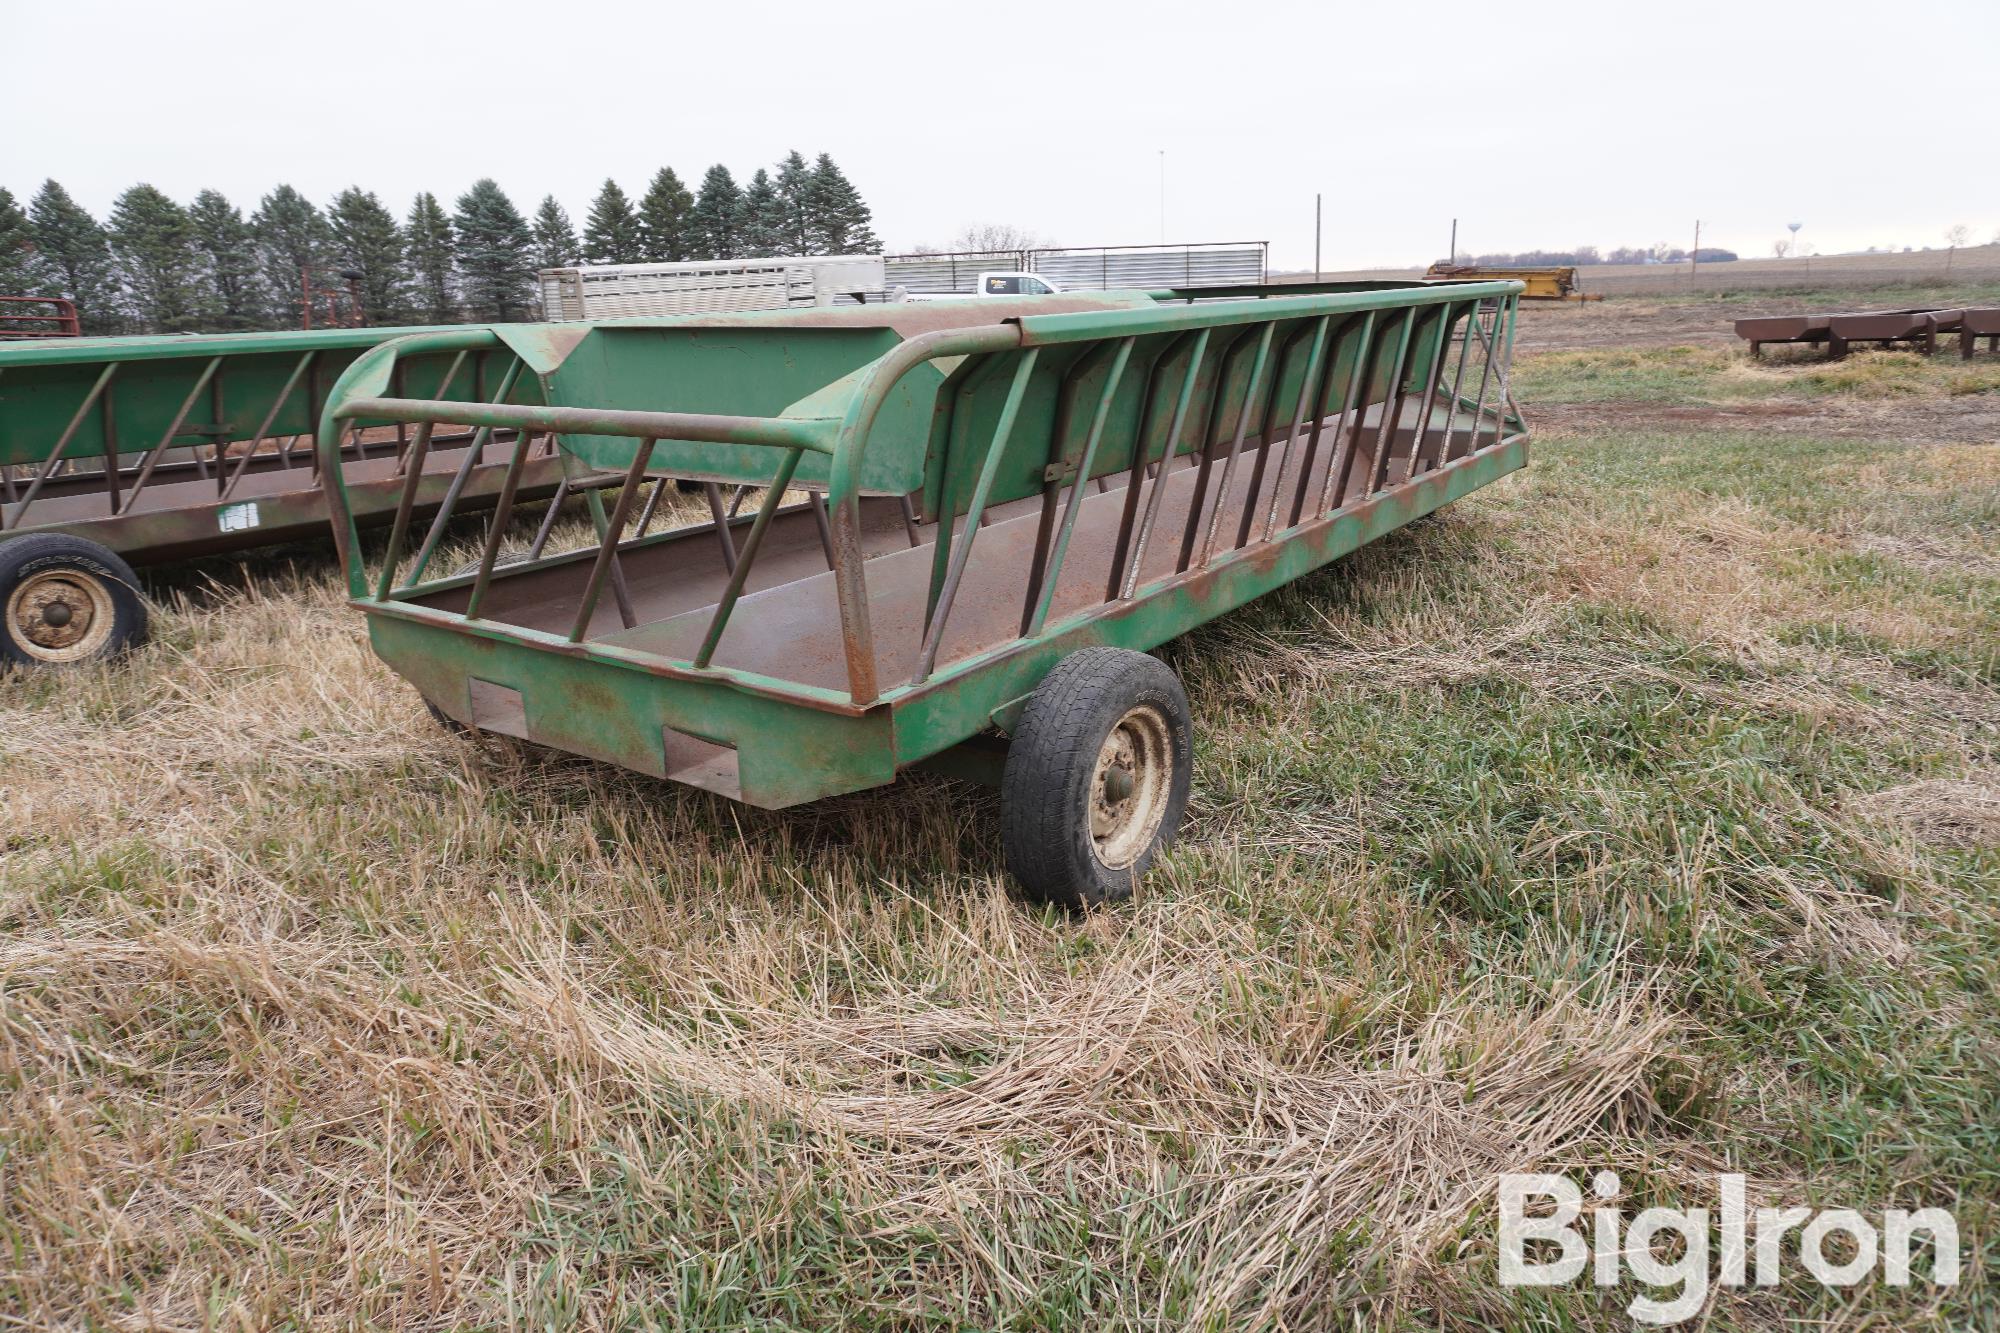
column 1097, row 776
column 66, row 601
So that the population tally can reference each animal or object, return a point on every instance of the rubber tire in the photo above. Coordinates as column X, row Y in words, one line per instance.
column 39, row 551
column 1045, row 785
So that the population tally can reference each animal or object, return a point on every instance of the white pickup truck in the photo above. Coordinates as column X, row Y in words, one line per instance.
column 995, row 283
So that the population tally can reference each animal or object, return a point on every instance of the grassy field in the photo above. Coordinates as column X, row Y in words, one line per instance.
column 1640, row 812
column 1771, row 279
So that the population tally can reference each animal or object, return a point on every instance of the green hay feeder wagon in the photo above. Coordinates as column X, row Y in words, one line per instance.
column 941, row 534
column 121, row 451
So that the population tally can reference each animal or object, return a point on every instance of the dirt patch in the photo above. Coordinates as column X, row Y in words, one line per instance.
column 1972, row 419
column 1626, row 324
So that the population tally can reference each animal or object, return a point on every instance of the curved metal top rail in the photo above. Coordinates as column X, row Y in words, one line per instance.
column 360, row 393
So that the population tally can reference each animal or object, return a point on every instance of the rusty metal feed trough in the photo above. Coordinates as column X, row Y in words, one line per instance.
column 1918, row 329
column 152, row 449
column 972, row 516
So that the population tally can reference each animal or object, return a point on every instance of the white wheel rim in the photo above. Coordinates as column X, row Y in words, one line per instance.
column 61, row 615
column 1130, row 786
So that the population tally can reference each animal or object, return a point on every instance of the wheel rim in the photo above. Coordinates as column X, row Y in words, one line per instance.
column 1130, row 787
column 61, row 615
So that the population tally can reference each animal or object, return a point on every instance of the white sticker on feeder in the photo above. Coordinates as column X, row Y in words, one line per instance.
column 236, row 518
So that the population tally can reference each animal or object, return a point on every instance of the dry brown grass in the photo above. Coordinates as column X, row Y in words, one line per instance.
column 314, row 1016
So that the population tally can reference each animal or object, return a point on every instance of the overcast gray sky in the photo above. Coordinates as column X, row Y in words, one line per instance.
column 1539, row 124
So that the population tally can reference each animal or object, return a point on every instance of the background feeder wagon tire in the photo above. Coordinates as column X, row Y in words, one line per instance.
column 66, row 601
column 1097, row 777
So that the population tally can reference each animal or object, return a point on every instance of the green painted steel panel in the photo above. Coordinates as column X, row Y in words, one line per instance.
column 43, row 385
column 901, row 408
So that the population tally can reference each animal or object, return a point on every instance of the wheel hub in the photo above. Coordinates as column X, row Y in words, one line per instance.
column 62, row 615
column 1130, row 787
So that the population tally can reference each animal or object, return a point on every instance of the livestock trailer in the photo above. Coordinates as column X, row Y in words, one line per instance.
column 121, row 451
column 941, row 534
column 707, row 286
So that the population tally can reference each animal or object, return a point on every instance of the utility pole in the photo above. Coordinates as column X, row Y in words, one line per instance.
column 1694, row 255
column 1452, row 257
column 1316, row 233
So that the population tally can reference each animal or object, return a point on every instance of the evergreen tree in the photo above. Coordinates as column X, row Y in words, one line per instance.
column 75, row 258
column 793, row 184
column 154, row 244
column 432, row 251
column 495, row 253
column 291, row 235
column 18, row 269
column 233, row 296
column 555, row 238
column 663, row 216
column 612, row 234
column 760, row 224
column 836, row 218
column 366, row 239
column 714, row 223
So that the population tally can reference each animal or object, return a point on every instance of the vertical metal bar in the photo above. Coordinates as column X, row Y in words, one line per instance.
column 217, row 400
column 444, row 386
column 312, row 415
column 549, row 520
column 948, row 481
column 458, row 480
column 284, row 396
column 1347, row 440
column 594, row 501
column 1264, row 441
column 1206, row 448
column 399, row 385
column 7, row 469
column 1077, row 487
column 1250, row 393
column 1485, row 375
column 608, row 545
column 1329, row 364
column 652, row 507
column 817, row 503
column 503, row 510
column 1392, row 407
column 1512, row 316
column 1434, row 375
column 772, row 499
column 1166, row 466
column 1051, row 477
column 399, row 532
column 107, row 413
column 961, row 551
column 1135, row 476
column 48, row 467
column 910, row 521
column 1298, row 421
column 1457, row 385
column 721, row 521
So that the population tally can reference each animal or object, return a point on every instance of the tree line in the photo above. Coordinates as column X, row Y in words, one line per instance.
column 156, row 266
column 1590, row 254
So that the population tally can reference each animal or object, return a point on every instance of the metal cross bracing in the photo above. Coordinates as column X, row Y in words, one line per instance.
column 157, row 448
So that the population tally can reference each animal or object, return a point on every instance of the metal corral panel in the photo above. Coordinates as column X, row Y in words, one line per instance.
column 614, row 291
column 1153, row 266
column 950, row 273
column 1226, row 264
